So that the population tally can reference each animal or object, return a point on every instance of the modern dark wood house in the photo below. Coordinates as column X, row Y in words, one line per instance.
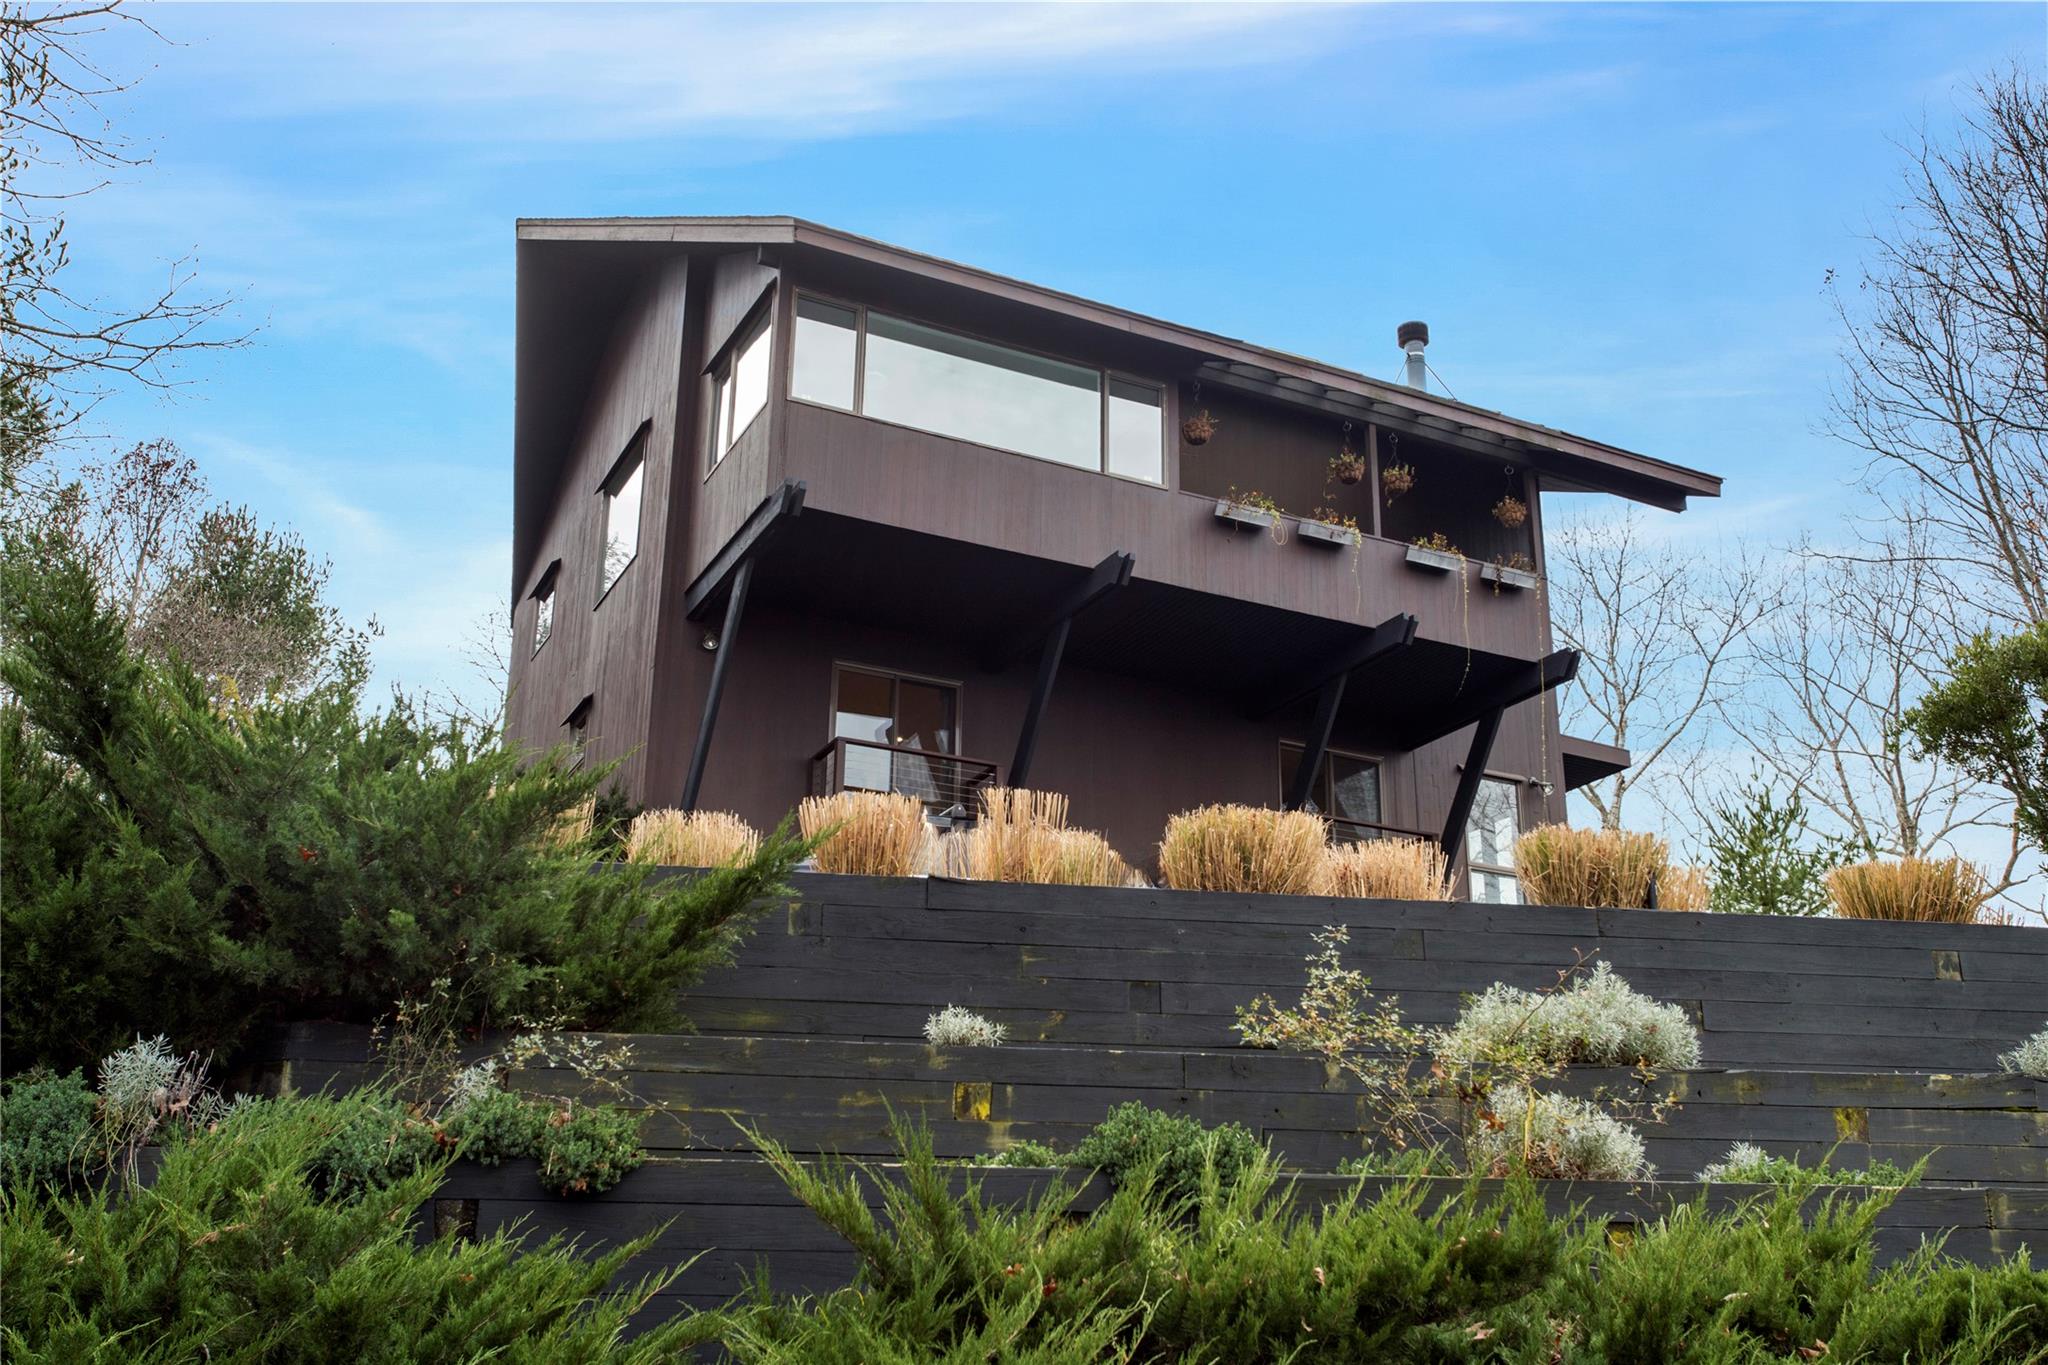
column 797, row 511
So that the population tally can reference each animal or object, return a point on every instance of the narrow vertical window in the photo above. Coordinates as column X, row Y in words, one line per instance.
column 544, row 606
column 1136, row 431
column 827, row 342
column 621, row 517
column 739, row 386
column 576, row 729
column 1490, row 842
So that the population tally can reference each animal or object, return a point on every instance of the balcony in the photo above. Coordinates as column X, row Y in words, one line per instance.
column 1344, row 831
column 947, row 784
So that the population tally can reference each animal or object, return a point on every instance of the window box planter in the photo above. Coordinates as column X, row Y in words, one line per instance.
column 1434, row 561
column 1514, row 580
column 1248, row 518
column 1322, row 533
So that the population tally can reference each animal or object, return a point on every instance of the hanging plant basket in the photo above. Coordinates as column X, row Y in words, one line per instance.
column 1511, row 511
column 1197, row 429
column 1348, row 467
column 1396, row 479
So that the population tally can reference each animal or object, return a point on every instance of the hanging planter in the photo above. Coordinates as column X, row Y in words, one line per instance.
column 1348, row 467
column 1511, row 511
column 1396, row 479
column 1197, row 430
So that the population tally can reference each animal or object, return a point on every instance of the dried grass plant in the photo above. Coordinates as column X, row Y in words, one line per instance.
column 1388, row 869
column 1941, row 890
column 704, row 838
column 1598, row 868
column 874, row 834
column 572, row 826
column 1683, row 888
column 1023, row 836
column 1246, row 848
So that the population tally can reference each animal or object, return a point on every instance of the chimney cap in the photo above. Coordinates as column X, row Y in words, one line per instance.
column 1411, row 331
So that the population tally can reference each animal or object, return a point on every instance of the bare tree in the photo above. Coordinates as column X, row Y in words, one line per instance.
column 1946, row 363
column 1863, row 637
column 59, row 147
column 244, row 606
column 1662, row 636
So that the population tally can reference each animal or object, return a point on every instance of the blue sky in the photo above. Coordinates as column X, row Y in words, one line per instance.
column 1617, row 220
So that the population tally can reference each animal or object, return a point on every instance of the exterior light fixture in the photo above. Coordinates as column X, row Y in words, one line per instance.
column 710, row 641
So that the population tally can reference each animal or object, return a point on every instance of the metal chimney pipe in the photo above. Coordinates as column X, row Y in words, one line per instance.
column 1414, row 338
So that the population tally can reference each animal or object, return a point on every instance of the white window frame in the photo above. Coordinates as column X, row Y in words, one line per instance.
column 1474, row 868
column 1105, row 376
column 722, row 383
column 631, row 464
column 544, row 607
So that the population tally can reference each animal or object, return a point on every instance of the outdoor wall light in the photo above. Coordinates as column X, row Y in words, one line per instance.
column 710, row 641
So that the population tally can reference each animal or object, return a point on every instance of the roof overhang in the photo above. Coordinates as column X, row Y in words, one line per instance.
column 1588, row 760
column 572, row 270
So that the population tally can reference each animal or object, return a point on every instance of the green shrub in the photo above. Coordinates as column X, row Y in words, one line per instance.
column 1253, row 1275
column 499, row 1126
column 374, row 1144
column 49, row 1134
column 1174, row 1149
column 1408, row 1162
column 181, row 866
column 1027, row 1154
column 234, row 1253
column 1749, row 1164
column 587, row 1149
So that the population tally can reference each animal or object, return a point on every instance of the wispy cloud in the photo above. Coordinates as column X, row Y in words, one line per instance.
column 618, row 72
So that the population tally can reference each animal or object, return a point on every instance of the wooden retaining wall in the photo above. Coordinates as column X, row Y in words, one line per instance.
column 870, row 958
column 1821, row 1037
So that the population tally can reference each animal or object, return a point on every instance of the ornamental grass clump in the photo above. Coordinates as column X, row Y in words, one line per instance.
column 2029, row 1058
column 869, row 834
column 702, row 838
column 1023, row 836
column 1598, row 1019
column 1938, row 890
column 1388, row 869
column 1553, row 1137
column 1246, row 848
column 1596, row 868
column 1684, row 888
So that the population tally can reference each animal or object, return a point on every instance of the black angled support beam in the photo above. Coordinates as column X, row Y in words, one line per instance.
column 1547, row 674
column 1041, row 692
column 728, row 636
column 775, row 512
column 1318, row 742
column 1106, row 577
column 1453, row 841
column 1112, row 573
column 1485, row 711
column 1383, row 639
column 731, row 571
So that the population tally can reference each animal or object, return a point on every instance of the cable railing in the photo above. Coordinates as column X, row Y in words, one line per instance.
column 949, row 785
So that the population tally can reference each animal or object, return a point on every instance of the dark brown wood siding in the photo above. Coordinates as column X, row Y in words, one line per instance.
column 606, row 649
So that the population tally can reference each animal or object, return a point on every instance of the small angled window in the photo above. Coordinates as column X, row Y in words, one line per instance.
column 739, row 386
column 622, row 516
column 544, row 606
